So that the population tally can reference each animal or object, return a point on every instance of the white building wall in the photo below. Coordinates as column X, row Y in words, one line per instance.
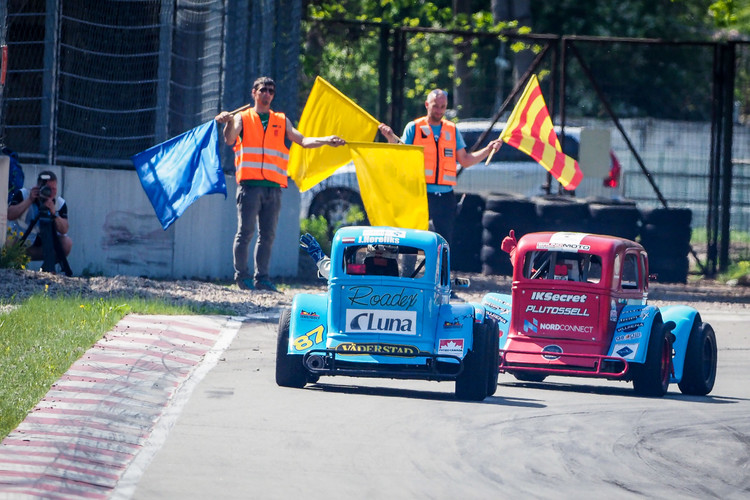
column 115, row 230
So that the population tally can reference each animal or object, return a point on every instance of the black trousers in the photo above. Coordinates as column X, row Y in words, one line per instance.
column 442, row 208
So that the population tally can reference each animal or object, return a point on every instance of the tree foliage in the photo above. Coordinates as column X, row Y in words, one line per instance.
column 664, row 81
column 348, row 54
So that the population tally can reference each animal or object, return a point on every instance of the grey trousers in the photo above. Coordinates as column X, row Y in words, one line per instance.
column 261, row 204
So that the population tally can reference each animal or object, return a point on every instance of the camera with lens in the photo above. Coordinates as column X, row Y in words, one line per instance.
column 45, row 193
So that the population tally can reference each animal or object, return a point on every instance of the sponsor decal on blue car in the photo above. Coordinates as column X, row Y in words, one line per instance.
column 368, row 296
column 353, row 348
column 381, row 321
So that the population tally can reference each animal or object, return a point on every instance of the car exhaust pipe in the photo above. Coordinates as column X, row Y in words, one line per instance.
column 315, row 362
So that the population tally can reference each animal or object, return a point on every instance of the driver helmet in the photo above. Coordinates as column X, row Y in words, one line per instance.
column 384, row 251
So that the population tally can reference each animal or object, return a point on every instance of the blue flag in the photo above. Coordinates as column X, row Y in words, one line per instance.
column 179, row 171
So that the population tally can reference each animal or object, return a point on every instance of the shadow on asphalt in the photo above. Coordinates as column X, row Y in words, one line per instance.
column 392, row 392
column 624, row 391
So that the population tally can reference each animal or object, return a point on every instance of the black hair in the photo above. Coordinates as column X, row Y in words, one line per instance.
column 263, row 80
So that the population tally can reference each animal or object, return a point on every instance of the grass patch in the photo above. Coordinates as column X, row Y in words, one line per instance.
column 41, row 338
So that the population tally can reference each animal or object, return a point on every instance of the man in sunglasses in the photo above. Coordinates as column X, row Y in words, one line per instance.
column 260, row 157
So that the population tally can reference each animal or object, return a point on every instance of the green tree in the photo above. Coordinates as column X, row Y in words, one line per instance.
column 347, row 54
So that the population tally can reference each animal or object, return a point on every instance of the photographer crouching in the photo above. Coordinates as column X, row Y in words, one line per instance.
column 42, row 217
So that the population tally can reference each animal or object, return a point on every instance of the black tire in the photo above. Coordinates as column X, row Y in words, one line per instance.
column 496, row 223
column 699, row 373
column 669, row 269
column 493, row 354
column 671, row 240
column 614, row 220
column 290, row 372
column 334, row 204
column 667, row 216
column 495, row 261
column 530, row 376
column 562, row 214
column 471, row 384
column 652, row 377
column 510, row 204
column 467, row 234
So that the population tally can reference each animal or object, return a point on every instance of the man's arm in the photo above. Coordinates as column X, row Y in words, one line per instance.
column 467, row 159
column 61, row 218
column 19, row 207
column 232, row 126
column 390, row 135
column 295, row 136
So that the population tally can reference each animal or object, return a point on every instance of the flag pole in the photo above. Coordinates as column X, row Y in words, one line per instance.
column 241, row 108
column 489, row 157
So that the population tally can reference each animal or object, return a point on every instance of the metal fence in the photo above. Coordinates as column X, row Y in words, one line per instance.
column 679, row 111
column 91, row 84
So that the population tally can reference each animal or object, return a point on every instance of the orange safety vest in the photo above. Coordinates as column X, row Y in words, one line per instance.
column 440, row 156
column 261, row 154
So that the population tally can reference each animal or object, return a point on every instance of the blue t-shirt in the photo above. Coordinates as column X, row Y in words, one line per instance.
column 408, row 138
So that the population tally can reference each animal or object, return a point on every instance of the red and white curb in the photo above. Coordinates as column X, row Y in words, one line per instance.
column 100, row 425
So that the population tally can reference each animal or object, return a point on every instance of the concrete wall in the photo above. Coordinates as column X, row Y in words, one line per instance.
column 115, row 230
column 4, row 168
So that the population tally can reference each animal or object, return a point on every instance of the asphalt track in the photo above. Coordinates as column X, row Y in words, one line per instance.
column 187, row 407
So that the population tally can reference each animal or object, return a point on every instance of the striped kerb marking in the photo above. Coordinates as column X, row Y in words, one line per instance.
column 78, row 441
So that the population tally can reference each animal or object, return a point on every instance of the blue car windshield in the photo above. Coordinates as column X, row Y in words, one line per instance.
column 384, row 260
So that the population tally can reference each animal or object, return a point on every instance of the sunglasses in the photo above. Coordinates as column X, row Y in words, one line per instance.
column 263, row 90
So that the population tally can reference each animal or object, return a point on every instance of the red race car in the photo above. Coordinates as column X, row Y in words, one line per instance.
column 578, row 307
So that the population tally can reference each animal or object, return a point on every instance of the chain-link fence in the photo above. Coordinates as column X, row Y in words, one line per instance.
column 665, row 103
column 92, row 83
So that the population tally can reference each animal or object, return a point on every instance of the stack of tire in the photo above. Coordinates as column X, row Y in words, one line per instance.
column 665, row 234
column 614, row 218
column 503, row 212
column 467, row 234
column 561, row 213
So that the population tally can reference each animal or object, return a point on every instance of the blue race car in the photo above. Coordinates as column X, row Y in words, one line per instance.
column 388, row 314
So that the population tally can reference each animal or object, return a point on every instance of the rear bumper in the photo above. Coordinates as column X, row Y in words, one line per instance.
column 435, row 367
column 610, row 367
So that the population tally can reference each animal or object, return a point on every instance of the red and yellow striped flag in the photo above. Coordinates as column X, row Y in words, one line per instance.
column 529, row 129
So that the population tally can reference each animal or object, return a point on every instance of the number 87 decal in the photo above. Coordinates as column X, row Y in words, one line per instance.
column 305, row 341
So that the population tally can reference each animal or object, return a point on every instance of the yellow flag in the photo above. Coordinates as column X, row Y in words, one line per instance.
column 392, row 184
column 327, row 112
column 529, row 129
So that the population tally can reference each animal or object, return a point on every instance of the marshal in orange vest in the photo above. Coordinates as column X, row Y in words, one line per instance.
column 261, row 154
column 440, row 157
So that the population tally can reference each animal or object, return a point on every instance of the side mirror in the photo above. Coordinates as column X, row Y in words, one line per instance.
column 461, row 282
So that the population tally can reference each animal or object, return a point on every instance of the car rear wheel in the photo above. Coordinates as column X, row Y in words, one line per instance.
column 471, row 384
column 652, row 377
column 289, row 369
column 699, row 374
